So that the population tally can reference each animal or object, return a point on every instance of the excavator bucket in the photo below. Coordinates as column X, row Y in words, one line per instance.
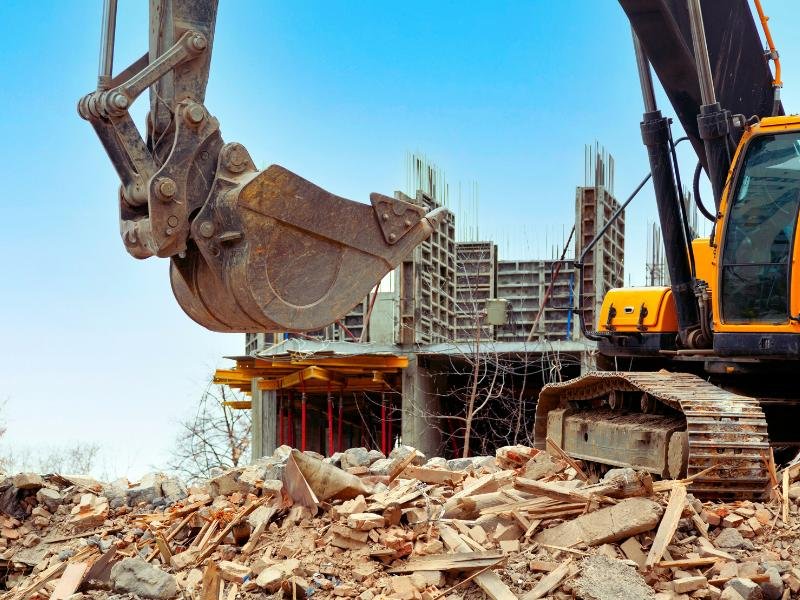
column 278, row 253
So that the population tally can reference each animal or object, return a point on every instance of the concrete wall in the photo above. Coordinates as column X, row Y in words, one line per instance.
column 420, row 399
column 263, row 440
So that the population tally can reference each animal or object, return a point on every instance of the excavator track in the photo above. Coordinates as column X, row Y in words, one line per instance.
column 725, row 430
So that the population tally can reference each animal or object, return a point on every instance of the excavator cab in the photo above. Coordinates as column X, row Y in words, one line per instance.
column 251, row 250
column 761, row 219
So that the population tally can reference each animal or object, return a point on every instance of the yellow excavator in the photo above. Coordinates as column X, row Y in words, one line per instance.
column 688, row 370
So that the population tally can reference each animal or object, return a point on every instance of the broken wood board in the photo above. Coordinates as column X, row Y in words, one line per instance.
column 459, row 561
column 489, row 581
column 549, row 582
column 668, row 526
column 70, row 580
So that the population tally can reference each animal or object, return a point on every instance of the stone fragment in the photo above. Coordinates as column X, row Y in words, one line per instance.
column 51, row 498
column 603, row 578
column 27, row 481
column 228, row 482
column 689, row 584
column 732, row 520
column 730, row 594
column 382, row 466
column 772, row 589
column 729, row 538
column 233, row 571
column 401, row 452
column 135, row 576
column 794, row 492
column 540, row 466
column 472, row 462
column 90, row 512
column 365, row 521
column 622, row 520
column 375, row 455
column 745, row 588
column 356, row 457
column 711, row 518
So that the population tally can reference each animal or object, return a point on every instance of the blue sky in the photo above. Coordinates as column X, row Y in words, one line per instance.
column 506, row 94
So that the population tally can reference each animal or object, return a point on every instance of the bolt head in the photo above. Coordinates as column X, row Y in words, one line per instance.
column 206, row 229
column 119, row 101
column 195, row 114
column 198, row 42
column 392, row 237
column 167, row 187
column 172, row 221
column 407, row 222
column 385, row 216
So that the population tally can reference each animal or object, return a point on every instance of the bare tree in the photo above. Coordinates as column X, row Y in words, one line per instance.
column 78, row 458
column 216, row 435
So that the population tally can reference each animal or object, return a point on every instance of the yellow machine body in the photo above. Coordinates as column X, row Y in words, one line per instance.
column 643, row 309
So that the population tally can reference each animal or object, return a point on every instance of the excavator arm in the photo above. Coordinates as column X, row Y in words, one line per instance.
column 251, row 250
column 740, row 70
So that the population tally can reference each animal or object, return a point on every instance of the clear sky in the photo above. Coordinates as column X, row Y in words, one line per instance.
column 95, row 348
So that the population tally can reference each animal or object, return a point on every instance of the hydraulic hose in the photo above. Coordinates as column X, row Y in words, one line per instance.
column 696, row 191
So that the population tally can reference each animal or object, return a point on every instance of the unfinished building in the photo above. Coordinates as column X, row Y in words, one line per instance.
column 476, row 282
column 604, row 264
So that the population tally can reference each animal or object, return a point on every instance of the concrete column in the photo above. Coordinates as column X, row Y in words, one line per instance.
column 419, row 402
column 264, row 427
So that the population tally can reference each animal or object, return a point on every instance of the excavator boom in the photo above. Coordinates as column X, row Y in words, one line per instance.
column 251, row 250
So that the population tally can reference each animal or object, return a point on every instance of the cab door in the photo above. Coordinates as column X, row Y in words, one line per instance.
column 758, row 245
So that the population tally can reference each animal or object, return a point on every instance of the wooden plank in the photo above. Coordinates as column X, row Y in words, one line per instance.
column 543, row 565
column 688, row 563
column 551, row 490
column 785, row 514
column 720, row 582
column 163, row 548
column 633, row 550
column 211, row 584
column 449, row 562
column 69, row 581
column 488, row 581
column 556, row 449
column 549, row 582
column 250, row 545
column 532, row 528
column 234, row 522
column 400, row 466
column 668, row 526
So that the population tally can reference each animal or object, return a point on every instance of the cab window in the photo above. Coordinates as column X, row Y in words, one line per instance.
column 760, row 231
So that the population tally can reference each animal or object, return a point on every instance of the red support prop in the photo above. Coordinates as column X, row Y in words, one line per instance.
column 303, row 422
column 339, row 446
column 290, row 420
column 330, row 421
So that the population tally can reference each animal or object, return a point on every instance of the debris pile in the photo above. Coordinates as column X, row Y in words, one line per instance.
column 524, row 524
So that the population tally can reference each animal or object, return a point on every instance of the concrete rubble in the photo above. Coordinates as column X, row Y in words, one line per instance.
column 521, row 525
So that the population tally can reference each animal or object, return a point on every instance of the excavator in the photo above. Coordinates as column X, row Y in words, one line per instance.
column 687, row 373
